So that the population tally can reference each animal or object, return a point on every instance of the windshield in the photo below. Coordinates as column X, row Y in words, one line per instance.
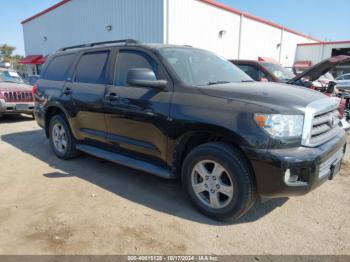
column 278, row 71
column 10, row 76
column 199, row 67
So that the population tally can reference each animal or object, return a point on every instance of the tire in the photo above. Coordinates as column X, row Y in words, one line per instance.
column 227, row 190
column 67, row 149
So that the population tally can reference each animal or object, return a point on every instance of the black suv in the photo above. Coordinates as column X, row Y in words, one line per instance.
column 182, row 112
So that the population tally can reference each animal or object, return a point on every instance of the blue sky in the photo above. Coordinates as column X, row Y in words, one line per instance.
column 323, row 19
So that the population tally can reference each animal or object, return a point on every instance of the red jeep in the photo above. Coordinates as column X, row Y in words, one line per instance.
column 15, row 96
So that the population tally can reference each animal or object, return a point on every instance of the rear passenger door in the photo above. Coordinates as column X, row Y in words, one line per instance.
column 87, row 89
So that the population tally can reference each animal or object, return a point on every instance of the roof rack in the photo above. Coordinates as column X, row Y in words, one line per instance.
column 125, row 41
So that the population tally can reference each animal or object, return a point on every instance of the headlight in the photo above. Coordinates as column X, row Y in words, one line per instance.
column 281, row 126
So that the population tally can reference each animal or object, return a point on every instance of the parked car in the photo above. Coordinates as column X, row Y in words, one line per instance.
column 316, row 77
column 345, row 77
column 31, row 80
column 182, row 112
column 343, row 84
column 15, row 96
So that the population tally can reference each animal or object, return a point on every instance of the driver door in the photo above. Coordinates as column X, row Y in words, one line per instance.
column 136, row 117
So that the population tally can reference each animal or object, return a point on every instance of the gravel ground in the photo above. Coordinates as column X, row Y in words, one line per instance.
column 90, row 206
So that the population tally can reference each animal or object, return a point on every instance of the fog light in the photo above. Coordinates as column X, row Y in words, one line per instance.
column 293, row 179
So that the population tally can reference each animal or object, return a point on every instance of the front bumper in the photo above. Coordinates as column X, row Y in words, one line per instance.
column 7, row 108
column 270, row 167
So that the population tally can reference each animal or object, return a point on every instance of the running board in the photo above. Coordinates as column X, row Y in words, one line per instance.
column 125, row 161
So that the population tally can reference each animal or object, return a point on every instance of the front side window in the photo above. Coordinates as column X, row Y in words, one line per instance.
column 200, row 67
column 127, row 61
column 92, row 68
column 58, row 67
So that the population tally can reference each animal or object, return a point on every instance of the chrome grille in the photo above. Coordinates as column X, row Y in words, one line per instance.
column 325, row 167
column 18, row 96
column 321, row 121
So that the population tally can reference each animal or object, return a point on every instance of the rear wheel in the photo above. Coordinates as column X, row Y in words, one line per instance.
column 61, row 138
column 219, row 181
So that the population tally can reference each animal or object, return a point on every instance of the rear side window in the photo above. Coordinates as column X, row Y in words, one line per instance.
column 127, row 61
column 58, row 68
column 92, row 68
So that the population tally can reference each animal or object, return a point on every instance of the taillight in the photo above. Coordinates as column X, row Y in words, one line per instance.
column 35, row 89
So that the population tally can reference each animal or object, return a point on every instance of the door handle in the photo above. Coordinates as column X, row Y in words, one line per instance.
column 67, row 91
column 112, row 97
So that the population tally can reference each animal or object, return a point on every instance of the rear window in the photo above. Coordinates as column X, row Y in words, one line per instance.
column 92, row 68
column 58, row 67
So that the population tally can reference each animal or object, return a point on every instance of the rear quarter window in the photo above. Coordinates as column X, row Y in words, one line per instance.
column 58, row 67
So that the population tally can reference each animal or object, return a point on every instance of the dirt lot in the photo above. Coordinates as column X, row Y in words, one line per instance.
column 89, row 206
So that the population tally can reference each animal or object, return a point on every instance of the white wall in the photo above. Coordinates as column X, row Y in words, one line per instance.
column 196, row 23
column 84, row 21
column 259, row 40
column 191, row 22
column 289, row 46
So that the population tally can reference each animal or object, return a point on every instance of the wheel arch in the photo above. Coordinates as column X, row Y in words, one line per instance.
column 196, row 137
column 52, row 110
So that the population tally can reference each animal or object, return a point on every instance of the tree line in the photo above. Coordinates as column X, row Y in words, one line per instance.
column 7, row 56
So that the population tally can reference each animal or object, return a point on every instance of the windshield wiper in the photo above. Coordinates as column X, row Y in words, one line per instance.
column 247, row 81
column 218, row 83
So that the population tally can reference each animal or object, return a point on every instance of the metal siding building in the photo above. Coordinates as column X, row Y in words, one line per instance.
column 201, row 23
column 316, row 52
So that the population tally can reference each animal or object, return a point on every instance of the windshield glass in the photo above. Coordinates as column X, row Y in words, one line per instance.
column 278, row 71
column 199, row 67
column 10, row 76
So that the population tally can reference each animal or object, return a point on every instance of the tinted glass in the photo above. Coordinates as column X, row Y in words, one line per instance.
column 252, row 71
column 200, row 67
column 58, row 67
column 92, row 68
column 127, row 61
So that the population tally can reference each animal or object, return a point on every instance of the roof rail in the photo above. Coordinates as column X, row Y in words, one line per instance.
column 125, row 41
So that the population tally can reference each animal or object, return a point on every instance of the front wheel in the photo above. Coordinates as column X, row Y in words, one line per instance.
column 219, row 181
column 61, row 138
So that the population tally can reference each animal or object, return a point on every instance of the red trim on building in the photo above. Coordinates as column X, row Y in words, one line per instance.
column 326, row 43
column 45, row 11
column 211, row 2
column 41, row 60
column 33, row 60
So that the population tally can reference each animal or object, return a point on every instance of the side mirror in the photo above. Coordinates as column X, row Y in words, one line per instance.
column 144, row 77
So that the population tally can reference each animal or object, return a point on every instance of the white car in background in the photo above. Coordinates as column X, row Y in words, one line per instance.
column 343, row 83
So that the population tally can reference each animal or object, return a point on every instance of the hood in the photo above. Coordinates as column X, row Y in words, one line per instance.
column 8, row 86
column 276, row 96
column 320, row 69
